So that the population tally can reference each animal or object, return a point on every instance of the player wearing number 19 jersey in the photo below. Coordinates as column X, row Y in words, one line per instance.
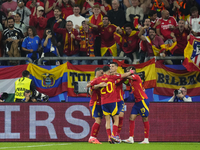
column 109, row 99
column 141, row 107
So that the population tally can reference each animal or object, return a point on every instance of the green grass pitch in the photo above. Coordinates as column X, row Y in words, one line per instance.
column 103, row 146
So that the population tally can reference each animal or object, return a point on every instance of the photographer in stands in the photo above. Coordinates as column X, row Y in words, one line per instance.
column 180, row 96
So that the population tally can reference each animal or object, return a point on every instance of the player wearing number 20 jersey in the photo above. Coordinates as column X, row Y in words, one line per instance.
column 108, row 93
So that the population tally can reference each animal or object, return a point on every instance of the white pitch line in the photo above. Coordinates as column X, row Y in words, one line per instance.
column 32, row 146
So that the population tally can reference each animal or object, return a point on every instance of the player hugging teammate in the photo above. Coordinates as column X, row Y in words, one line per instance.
column 112, row 104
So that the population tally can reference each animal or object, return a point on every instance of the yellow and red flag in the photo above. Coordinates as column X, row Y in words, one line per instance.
column 145, row 70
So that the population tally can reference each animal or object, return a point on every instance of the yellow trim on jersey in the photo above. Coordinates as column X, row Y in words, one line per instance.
column 141, row 95
column 120, row 94
column 93, row 108
column 145, row 105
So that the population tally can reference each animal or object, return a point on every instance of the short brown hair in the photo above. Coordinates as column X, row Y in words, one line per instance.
column 96, row 6
column 130, row 68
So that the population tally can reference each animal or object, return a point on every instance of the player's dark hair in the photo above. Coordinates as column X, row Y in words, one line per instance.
column 152, row 12
column 106, row 68
column 130, row 68
column 25, row 73
column 114, row 63
column 97, row 69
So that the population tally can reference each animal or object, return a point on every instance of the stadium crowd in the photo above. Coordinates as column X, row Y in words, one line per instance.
column 137, row 29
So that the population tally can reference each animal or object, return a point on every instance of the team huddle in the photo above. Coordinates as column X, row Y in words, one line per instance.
column 107, row 99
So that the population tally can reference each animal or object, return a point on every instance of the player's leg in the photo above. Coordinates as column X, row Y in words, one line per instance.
column 97, row 115
column 108, row 131
column 146, row 130
column 134, row 114
column 121, row 117
column 144, row 112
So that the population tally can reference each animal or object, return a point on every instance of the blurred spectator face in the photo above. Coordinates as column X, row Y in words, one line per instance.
column 152, row 34
column 69, row 26
column 135, row 3
column 154, row 17
column 115, row 4
column 165, row 14
column 181, row 24
column 10, row 23
column 40, row 12
column 65, row 1
column 27, row 94
column 105, row 21
column 76, row 11
column 30, row 32
column 57, row 13
column 47, row 32
column 96, row 11
column 85, row 27
column 128, row 30
column 103, row 2
column 195, row 14
column 9, row 0
column 17, row 18
column 20, row 3
column 183, row 90
column 147, row 22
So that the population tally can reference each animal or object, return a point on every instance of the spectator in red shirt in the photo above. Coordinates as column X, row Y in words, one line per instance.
column 49, row 8
column 32, row 5
column 8, row 6
column 87, row 7
column 66, row 7
column 180, row 35
column 39, row 22
column 166, row 26
column 71, row 40
column 105, row 7
column 130, row 40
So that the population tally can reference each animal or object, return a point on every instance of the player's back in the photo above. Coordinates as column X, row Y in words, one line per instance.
column 95, row 97
column 137, row 87
column 108, row 93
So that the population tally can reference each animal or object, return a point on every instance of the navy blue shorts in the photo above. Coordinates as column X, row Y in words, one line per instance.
column 110, row 109
column 141, row 108
column 120, row 106
column 96, row 111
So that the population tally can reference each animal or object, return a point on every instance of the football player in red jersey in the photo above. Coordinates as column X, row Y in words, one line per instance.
column 141, row 107
column 109, row 99
column 95, row 106
column 120, row 93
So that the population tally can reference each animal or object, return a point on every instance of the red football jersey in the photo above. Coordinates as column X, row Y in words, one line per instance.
column 107, row 35
column 164, row 27
column 136, row 85
column 119, row 89
column 95, row 97
column 108, row 93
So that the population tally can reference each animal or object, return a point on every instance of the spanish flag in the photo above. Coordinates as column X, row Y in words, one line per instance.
column 191, row 54
column 146, row 71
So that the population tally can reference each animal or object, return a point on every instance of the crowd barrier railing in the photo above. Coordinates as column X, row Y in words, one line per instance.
column 83, row 58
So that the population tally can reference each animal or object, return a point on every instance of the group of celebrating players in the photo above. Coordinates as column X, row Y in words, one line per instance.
column 107, row 99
